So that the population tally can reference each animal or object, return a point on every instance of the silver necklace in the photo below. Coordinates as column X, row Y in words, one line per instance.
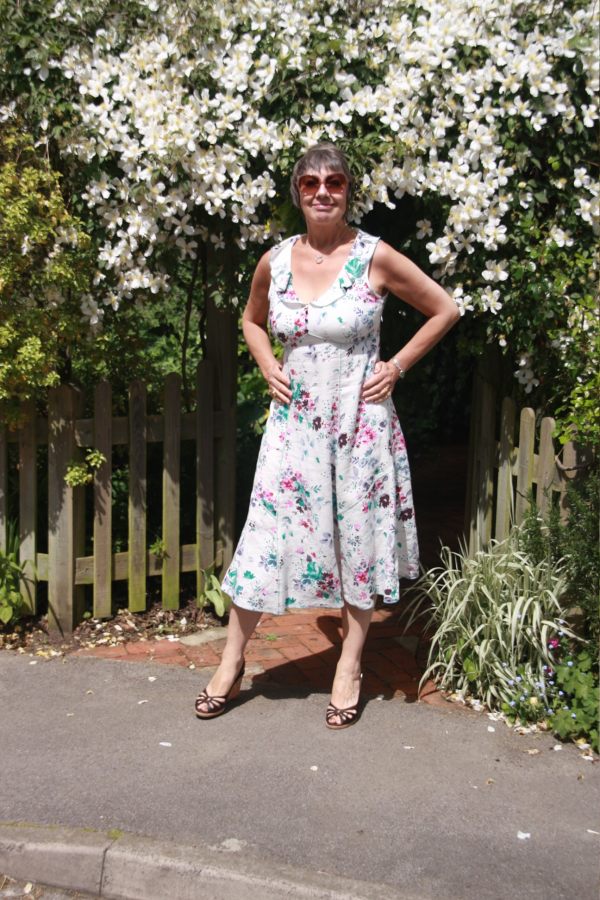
column 321, row 256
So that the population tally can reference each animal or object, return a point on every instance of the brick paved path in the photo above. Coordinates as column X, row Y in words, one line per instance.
column 301, row 649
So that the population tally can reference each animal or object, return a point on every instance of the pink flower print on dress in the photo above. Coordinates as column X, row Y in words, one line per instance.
column 362, row 576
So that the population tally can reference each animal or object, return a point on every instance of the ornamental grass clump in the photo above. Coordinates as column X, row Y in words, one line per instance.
column 495, row 618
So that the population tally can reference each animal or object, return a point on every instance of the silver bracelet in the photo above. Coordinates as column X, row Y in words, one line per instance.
column 394, row 362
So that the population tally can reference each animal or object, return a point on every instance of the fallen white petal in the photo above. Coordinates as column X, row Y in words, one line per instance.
column 28, row 888
column 523, row 835
column 70, row 714
column 233, row 845
column 491, row 728
column 314, row 768
column 142, row 701
column 408, row 747
column 151, row 677
column 33, row 662
column 165, row 744
column 557, row 747
column 591, row 831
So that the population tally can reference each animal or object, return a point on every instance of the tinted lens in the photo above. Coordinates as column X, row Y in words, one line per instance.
column 310, row 184
column 335, row 184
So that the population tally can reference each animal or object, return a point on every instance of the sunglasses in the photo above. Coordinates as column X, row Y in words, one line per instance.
column 308, row 185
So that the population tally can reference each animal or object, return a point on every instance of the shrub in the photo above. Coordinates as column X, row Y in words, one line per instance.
column 575, row 541
column 499, row 635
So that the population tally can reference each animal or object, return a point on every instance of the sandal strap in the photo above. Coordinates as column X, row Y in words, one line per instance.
column 345, row 714
column 212, row 702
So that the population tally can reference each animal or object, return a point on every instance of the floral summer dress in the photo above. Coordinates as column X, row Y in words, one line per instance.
column 331, row 513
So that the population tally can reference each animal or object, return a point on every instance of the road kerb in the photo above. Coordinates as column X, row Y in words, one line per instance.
column 121, row 866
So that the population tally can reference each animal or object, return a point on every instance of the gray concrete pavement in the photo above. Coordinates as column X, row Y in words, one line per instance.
column 413, row 801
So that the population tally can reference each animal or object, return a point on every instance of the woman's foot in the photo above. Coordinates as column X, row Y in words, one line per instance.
column 224, row 686
column 345, row 694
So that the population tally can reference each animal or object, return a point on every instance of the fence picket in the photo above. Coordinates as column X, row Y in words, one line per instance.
column 28, row 505
column 171, row 492
column 504, row 501
column 103, row 563
column 205, row 519
column 525, row 460
column 65, row 600
column 546, row 467
column 137, row 555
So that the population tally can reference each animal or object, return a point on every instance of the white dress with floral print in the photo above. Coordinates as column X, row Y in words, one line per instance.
column 331, row 514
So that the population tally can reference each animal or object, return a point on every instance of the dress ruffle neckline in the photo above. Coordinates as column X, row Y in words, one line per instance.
column 281, row 273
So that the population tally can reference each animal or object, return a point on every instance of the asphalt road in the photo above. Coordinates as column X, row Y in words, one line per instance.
column 429, row 802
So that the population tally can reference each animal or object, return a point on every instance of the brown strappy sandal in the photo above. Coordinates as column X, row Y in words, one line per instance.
column 349, row 715
column 218, row 705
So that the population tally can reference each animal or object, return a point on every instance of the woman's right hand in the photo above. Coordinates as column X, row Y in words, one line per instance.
column 278, row 382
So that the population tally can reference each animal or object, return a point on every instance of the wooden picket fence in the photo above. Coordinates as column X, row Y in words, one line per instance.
column 64, row 566
column 507, row 466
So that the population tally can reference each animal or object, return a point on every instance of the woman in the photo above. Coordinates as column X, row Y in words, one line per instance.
column 330, row 521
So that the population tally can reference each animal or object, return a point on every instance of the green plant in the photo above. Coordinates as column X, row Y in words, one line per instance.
column 212, row 593
column 158, row 549
column 493, row 616
column 576, row 697
column 12, row 572
column 83, row 472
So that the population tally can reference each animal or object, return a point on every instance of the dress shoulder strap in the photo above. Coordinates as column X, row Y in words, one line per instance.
column 364, row 247
column 279, row 260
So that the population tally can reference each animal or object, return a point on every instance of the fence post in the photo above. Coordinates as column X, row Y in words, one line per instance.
column 65, row 600
column 103, row 502
column 222, row 350
column 471, row 498
column 205, row 520
column 3, row 487
column 171, row 492
column 482, row 454
column 504, row 499
column 137, row 551
column 575, row 459
column 525, row 463
column 28, row 504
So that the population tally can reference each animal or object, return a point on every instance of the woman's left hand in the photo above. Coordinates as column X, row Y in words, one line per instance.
column 380, row 385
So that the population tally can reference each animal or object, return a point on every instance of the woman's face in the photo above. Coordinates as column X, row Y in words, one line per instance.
column 323, row 196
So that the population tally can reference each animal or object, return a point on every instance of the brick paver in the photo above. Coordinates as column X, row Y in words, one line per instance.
column 301, row 649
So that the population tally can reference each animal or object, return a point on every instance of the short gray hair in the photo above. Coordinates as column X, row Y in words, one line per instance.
column 320, row 156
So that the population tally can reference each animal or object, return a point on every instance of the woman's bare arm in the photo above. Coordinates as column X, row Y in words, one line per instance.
column 254, row 326
column 392, row 271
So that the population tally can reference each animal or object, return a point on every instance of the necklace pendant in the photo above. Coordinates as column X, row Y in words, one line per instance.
column 319, row 259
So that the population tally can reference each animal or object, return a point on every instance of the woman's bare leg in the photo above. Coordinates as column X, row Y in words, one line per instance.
column 242, row 623
column 346, row 684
